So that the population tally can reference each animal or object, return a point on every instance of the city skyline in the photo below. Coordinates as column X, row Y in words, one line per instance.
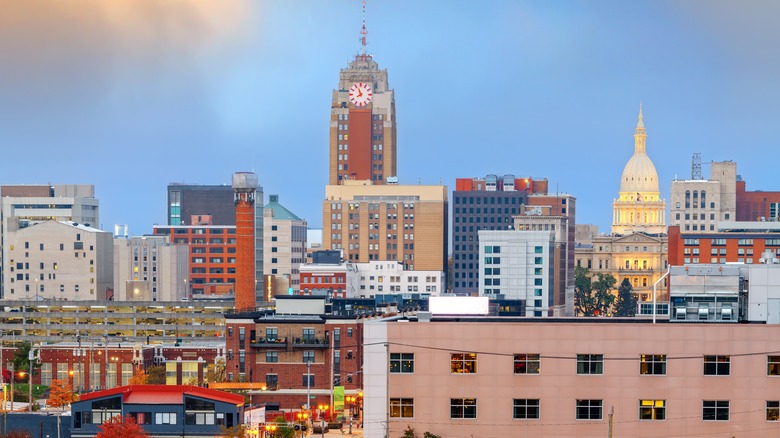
column 130, row 97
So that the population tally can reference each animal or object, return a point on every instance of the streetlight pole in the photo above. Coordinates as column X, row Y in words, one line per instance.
column 13, row 372
column 321, row 409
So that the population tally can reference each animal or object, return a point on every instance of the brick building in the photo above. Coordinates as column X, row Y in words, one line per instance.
column 735, row 242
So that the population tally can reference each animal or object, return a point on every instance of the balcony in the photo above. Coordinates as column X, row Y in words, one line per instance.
column 268, row 343
column 309, row 343
column 636, row 270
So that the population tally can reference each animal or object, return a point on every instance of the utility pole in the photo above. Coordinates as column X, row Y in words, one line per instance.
column 611, row 411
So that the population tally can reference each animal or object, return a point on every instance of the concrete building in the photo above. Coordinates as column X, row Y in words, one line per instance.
column 698, row 205
column 212, row 257
column 362, row 124
column 23, row 205
column 482, row 376
column 483, row 204
column 150, row 268
column 378, row 278
column 325, row 276
column 55, row 260
column 285, row 246
column 759, row 205
column 391, row 222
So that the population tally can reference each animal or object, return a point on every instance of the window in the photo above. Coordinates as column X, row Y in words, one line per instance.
column 773, row 365
column 463, row 408
column 271, row 356
column 308, row 356
column 402, row 363
column 401, row 408
column 463, row 363
column 165, row 418
column 590, row 364
column 527, row 363
column 589, row 409
column 773, row 410
column 654, row 364
column 715, row 410
column 652, row 409
column 525, row 409
column 717, row 365
column 308, row 380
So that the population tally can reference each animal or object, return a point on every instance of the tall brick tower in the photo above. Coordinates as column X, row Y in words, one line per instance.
column 244, row 188
column 362, row 122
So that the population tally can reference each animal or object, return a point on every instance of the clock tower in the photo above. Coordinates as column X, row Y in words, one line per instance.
column 362, row 122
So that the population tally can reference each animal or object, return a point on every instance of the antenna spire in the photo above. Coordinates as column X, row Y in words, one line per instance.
column 363, row 32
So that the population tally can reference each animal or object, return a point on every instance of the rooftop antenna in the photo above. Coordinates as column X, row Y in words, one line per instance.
column 696, row 166
column 363, row 32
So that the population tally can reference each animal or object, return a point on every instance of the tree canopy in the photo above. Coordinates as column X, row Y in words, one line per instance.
column 593, row 296
column 60, row 394
column 139, row 378
column 626, row 300
column 118, row 427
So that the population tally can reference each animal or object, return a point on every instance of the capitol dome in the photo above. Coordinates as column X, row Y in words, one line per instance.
column 639, row 175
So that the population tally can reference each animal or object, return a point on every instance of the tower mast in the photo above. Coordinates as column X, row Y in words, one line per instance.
column 363, row 32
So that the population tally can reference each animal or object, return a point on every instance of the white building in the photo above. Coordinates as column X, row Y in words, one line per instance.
column 150, row 268
column 58, row 261
column 700, row 205
column 389, row 277
column 24, row 205
column 284, row 237
column 519, row 265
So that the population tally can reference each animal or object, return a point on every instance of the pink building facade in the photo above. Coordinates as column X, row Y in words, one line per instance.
column 462, row 377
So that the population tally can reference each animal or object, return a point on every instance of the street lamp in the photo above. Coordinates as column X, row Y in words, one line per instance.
column 322, row 409
column 270, row 430
column 351, row 400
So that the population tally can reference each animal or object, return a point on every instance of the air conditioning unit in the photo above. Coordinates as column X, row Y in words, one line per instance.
column 725, row 314
column 704, row 313
column 680, row 312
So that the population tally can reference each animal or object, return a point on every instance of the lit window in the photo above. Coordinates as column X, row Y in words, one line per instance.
column 652, row 409
column 463, row 363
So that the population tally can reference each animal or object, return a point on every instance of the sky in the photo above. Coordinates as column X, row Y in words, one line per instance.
column 132, row 95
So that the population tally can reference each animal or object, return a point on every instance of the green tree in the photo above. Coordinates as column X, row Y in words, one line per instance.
column 602, row 288
column 626, row 300
column 409, row 432
column 21, row 358
column 156, row 375
column 584, row 302
column 283, row 430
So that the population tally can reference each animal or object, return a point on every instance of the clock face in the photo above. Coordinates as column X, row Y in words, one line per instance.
column 360, row 94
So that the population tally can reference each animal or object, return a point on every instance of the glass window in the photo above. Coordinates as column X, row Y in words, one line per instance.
column 463, row 363
column 654, row 364
column 717, row 365
column 463, row 408
column 589, row 409
column 652, row 409
column 402, row 408
column 527, row 363
column 772, row 410
column 715, row 410
column 525, row 409
column 590, row 364
column 402, row 363
column 773, row 365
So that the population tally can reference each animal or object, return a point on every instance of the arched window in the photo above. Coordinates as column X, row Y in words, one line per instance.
column 695, row 199
column 687, row 199
column 703, row 199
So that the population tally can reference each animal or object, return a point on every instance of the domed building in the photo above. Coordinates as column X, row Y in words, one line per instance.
column 637, row 247
column 639, row 207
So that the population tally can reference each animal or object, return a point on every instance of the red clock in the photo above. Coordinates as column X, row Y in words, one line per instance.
column 360, row 94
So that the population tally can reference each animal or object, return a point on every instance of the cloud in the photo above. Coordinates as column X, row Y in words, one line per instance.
column 76, row 48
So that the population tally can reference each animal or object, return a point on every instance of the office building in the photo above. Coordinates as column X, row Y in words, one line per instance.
column 734, row 242
column 25, row 205
column 391, row 222
column 150, row 268
column 285, row 251
column 698, row 205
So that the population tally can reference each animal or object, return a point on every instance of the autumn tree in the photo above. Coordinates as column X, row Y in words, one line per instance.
column 60, row 394
column 626, row 300
column 118, row 427
column 156, row 375
column 216, row 371
column 238, row 431
column 139, row 378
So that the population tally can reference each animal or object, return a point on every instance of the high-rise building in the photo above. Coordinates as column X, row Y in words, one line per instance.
column 150, row 268
column 483, row 204
column 391, row 222
column 285, row 252
column 362, row 123
column 639, row 207
column 23, row 205
column 698, row 205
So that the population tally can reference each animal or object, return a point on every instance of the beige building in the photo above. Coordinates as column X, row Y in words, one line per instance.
column 150, row 268
column 284, row 237
column 638, row 246
column 25, row 205
column 389, row 222
column 699, row 205
column 486, row 377
column 59, row 261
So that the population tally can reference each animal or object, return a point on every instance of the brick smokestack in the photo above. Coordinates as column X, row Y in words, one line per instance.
column 244, row 189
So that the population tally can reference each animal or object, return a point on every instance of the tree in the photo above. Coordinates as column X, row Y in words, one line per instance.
column 60, row 394
column 156, row 375
column 216, row 372
column 282, row 429
column 238, row 431
column 409, row 432
column 118, row 427
column 584, row 302
column 430, row 435
column 139, row 378
column 602, row 288
column 626, row 300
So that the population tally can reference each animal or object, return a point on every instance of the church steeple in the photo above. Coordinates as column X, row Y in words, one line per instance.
column 640, row 135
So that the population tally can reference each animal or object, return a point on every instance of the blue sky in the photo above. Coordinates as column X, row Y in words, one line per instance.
column 131, row 95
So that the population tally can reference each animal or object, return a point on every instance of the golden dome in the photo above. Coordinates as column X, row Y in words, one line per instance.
column 639, row 175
